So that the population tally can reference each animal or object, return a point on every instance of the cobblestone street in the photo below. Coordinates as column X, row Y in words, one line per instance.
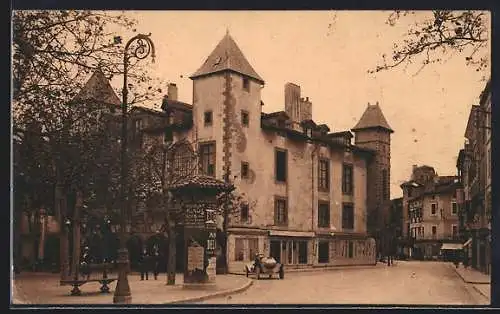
column 412, row 283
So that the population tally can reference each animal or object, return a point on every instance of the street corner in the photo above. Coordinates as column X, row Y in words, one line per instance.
column 226, row 285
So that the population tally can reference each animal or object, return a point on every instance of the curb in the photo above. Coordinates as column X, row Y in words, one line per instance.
column 480, row 292
column 468, row 281
column 320, row 269
column 214, row 295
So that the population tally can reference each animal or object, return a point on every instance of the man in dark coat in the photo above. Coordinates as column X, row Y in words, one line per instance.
column 155, row 260
column 144, row 261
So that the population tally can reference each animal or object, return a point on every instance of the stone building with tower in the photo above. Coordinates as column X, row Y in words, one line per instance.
column 312, row 197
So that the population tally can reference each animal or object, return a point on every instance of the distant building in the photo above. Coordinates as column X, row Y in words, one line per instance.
column 474, row 171
column 395, row 223
column 432, row 213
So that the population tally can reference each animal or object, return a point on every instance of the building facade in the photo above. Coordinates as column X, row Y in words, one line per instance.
column 306, row 188
column 395, row 224
column 474, row 171
column 308, row 193
column 432, row 211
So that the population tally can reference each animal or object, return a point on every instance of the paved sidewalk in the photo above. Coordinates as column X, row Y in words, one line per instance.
column 480, row 281
column 36, row 288
column 326, row 268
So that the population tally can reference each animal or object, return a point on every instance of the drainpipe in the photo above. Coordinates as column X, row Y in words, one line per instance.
column 312, row 185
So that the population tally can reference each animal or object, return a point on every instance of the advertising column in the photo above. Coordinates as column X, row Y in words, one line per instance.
column 211, row 229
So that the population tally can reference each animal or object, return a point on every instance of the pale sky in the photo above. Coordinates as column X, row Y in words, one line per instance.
column 428, row 112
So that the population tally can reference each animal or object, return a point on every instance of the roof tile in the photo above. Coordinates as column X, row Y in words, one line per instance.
column 227, row 56
column 372, row 118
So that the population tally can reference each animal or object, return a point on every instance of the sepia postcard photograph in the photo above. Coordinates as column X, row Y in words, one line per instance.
column 328, row 157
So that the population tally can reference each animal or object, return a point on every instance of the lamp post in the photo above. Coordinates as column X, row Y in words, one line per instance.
column 143, row 47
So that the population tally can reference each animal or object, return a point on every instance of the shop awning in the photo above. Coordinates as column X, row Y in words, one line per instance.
column 279, row 233
column 468, row 242
column 451, row 246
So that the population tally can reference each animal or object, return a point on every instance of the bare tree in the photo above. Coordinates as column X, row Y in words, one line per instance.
column 437, row 35
column 161, row 166
column 53, row 54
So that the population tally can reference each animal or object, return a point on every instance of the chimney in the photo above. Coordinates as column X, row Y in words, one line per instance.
column 414, row 167
column 172, row 91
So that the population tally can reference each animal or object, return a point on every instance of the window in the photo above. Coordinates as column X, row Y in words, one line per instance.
column 385, row 185
column 138, row 125
column 409, row 192
column 488, row 163
column 207, row 154
column 433, row 209
column 347, row 184
column 434, row 231
column 324, row 215
column 302, row 252
column 351, row 249
column 239, row 254
column 244, row 213
column 347, row 216
column 280, row 212
column 244, row 170
column 324, row 174
column 453, row 208
column 246, row 84
column 245, row 119
column 207, row 118
column 323, row 252
column 281, row 165
column 454, row 231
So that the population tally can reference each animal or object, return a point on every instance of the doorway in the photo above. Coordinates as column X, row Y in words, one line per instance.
column 275, row 249
column 288, row 251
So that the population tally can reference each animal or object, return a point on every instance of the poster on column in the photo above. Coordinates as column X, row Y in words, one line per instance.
column 195, row 258
column 211, row 269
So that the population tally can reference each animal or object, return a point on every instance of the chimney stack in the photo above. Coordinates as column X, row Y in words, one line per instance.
column 172, row 91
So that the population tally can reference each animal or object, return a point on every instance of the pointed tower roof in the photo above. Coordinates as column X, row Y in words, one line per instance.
column 227, row 56
column 98, row 89
column 372, row 118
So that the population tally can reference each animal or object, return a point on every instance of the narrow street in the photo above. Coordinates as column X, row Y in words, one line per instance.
column 415, row 283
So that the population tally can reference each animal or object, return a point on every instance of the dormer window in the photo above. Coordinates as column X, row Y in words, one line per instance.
column 246, row 84
column 308, row 132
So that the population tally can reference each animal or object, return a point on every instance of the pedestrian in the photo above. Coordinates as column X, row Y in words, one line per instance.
column 156, row 260
column 144, row 264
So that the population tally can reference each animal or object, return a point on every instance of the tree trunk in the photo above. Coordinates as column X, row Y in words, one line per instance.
column 63, row 236
column 172, row 255
column 76, row 235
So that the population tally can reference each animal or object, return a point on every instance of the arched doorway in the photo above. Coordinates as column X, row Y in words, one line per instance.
column 134, row 246
column 162, row 242
column 52, row 253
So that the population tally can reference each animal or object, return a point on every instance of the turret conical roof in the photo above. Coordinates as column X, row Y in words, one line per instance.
column 98, row 89
column 372, row 118
column 227, row 56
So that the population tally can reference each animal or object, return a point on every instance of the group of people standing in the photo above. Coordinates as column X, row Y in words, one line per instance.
column 149, row 261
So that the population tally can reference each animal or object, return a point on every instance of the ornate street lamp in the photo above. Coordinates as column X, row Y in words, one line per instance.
column 143, row 47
